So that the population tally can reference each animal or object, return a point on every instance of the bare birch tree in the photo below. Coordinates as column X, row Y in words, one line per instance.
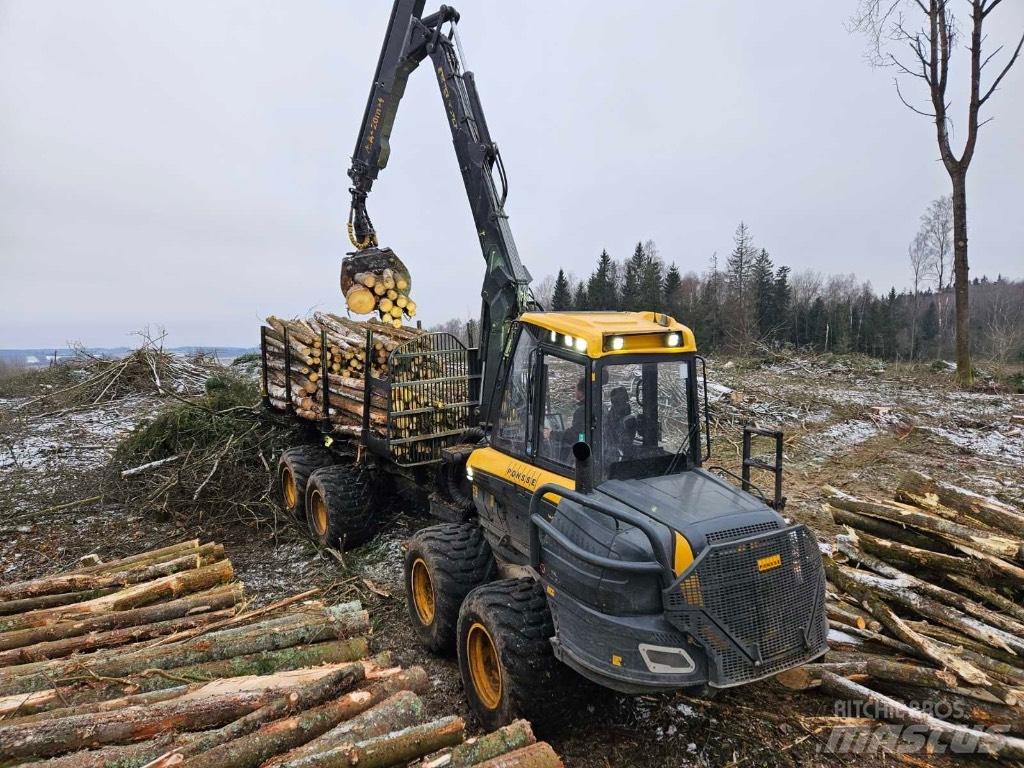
column 937, row 226
column 921, row 265
column 917, row 38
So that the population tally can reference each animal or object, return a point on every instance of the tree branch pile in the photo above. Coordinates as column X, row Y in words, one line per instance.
column 208, row 457
column 156, row 660
column 149, row 369
column 924, row 605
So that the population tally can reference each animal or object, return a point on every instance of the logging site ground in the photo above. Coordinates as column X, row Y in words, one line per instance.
column 67, row 433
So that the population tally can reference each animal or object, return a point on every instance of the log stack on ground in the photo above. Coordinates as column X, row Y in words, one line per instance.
column 924, row 604
column 156, row 660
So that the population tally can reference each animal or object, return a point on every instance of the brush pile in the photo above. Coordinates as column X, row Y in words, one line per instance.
column 205, row 458
column 147, row 370
column 925, row 613
column 155, row 660
column 422, row 378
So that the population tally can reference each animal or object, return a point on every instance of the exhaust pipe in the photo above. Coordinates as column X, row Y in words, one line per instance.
column 584, row 467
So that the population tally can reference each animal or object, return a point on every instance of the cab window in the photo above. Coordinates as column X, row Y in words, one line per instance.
column 512, row 434
column 647, row 424
column 563, row 397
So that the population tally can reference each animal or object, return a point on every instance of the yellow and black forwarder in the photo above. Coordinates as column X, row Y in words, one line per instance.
column 583, row 530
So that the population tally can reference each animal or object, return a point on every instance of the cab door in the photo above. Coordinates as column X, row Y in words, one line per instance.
column 531, row 440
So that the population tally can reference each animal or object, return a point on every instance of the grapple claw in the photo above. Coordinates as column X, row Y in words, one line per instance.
column 375, row 279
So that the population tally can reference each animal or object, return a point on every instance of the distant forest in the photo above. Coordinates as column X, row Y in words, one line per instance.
column 748, row 303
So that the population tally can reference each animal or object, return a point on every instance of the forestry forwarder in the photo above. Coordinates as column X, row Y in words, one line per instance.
column 582, row 525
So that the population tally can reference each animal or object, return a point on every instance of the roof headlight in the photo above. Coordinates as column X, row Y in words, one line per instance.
column 568, row 340
column 673, row 339
column 554, row 337
column 617, row 343
column 581, row 345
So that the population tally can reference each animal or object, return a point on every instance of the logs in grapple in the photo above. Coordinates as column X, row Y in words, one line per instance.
column 376, row 280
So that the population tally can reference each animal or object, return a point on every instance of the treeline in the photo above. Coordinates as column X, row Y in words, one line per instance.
column 749, row 302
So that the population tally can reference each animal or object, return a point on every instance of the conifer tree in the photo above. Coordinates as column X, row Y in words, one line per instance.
column 740, row 294
column 580, row 300
column 561, row 299
column 602, row 293
column 782, row 296
column 652, row 290
column 634, row 273
column 673, row 284
column 762, row 283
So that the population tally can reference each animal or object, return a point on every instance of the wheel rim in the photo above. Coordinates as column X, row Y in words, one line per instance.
column 422, row 592
column 288, row 487
column 318, row 514
column 484, row 669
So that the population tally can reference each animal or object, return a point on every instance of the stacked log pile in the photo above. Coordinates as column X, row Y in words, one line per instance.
column 925, row 613
column 154, row 660
column 429, row 392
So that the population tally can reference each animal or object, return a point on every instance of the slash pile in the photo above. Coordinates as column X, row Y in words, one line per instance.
column 148, row 369
column 925, row 613
column 154, row 660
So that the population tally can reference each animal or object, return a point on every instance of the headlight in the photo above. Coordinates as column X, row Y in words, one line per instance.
column 673, row 339
column 568, row 340
column 469, row 473
column 581, row 345
column 617, row 343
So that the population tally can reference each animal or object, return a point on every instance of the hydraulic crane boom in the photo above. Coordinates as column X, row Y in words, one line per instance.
column 410, row 38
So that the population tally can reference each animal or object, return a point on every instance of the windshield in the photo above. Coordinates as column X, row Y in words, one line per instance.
column 646, row 417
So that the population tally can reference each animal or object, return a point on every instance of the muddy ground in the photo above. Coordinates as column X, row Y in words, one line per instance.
column 855, row 424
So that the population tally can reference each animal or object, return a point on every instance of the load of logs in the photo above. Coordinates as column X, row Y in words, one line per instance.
column 925, row 613
column 376, row 280
column 429, row 390
column 155, row 660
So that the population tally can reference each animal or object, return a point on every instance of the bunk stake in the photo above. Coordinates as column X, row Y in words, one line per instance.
column 288, row 371
column 264, row 390
column 325, row 388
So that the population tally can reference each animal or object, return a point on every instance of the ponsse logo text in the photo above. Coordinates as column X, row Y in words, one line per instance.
column 518, row 475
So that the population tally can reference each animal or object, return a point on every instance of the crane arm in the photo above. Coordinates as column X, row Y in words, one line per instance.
column 411, row 38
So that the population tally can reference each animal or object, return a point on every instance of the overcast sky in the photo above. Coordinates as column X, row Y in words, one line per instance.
column 183, row 163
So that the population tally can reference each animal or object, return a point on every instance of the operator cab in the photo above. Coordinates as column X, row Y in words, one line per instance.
column 624, row 382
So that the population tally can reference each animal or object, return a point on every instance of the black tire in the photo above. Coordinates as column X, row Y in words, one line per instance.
column 340, row 506
column 293, row 471
column 443, row 564
column 514, row 617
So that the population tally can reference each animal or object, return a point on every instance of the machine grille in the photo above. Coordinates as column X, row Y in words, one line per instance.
column 729, row 534
column 765, row 595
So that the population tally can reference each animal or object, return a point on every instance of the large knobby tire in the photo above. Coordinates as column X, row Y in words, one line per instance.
column 505, row 658
column 293, row 471
column 340, row 506
column 443, row 564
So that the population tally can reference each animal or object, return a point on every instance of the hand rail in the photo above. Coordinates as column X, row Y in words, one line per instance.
column 661, row 564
